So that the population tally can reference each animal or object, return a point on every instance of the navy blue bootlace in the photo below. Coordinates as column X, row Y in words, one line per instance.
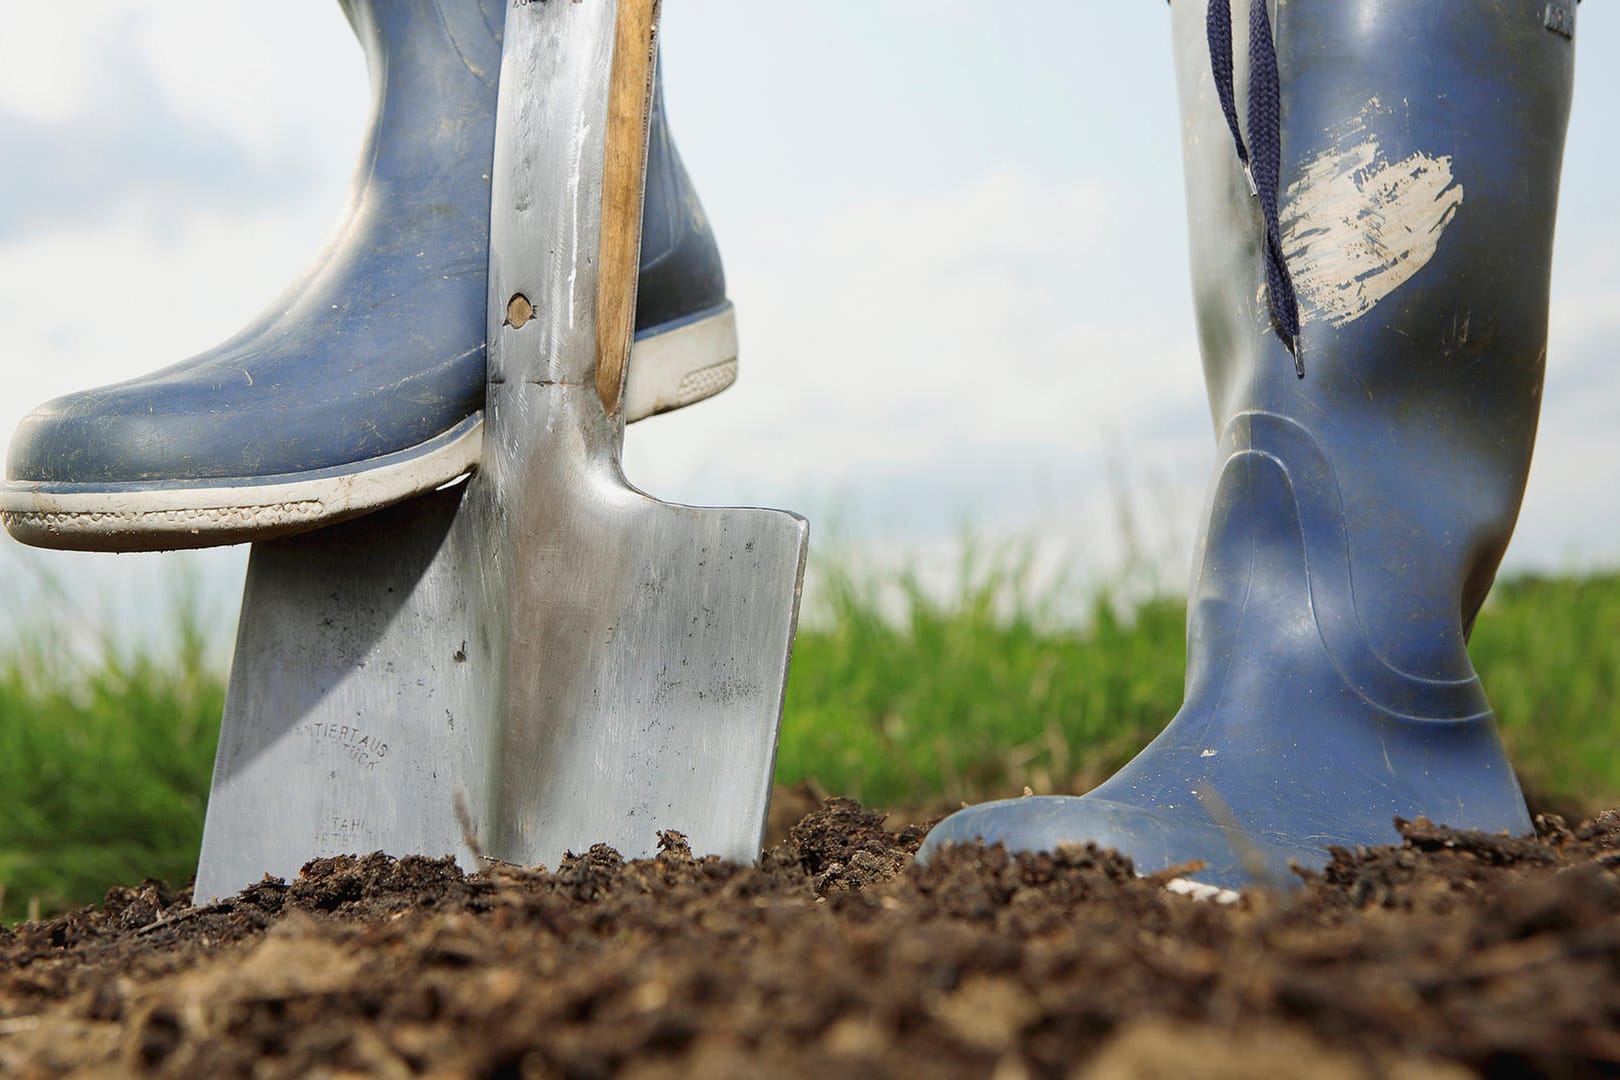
column 1262, row 163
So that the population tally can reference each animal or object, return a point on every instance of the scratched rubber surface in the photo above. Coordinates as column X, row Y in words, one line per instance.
column 1451, row 955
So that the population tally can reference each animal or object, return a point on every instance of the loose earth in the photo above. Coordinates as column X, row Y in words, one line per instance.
column 1451, row 955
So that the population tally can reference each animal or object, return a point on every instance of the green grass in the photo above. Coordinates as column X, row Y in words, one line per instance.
column 987, row 694
column 1548, row 651
column 104, row 762
column 896, row 696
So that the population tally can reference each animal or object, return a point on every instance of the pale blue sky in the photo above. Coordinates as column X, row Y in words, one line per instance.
column 956, row 244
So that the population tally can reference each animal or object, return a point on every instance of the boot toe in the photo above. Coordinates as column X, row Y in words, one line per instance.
column 165, row 463
column 179, row 433
column 132, row 435
column 1153, row 840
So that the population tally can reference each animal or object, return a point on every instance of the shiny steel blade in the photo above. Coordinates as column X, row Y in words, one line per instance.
column 646, row 644
column 548, row 658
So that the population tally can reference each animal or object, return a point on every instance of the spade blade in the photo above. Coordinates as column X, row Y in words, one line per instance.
column 547, row 658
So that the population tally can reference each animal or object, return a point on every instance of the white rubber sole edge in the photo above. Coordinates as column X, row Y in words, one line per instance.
column 682, row 366
column 668, row 371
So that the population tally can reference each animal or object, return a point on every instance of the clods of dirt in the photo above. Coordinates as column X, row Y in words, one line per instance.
column 1450, row 955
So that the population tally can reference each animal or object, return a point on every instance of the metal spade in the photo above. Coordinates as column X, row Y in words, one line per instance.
column 546, row 658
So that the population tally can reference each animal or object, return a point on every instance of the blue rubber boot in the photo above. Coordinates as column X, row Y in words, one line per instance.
column 1358, row 512
column 363, row 384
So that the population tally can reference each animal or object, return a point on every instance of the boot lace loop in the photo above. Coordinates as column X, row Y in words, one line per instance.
column 1261, row 158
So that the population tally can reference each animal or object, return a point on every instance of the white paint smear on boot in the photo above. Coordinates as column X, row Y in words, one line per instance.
column 1356, row 227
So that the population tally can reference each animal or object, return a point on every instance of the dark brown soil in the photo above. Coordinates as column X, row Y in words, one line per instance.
column 1450, row 955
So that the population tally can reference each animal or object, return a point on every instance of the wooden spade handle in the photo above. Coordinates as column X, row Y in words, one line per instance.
column 623, row 180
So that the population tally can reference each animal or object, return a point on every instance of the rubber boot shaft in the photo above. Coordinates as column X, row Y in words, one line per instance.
column 1356, row 516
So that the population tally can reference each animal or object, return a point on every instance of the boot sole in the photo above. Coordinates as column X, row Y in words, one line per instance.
column 677, row 365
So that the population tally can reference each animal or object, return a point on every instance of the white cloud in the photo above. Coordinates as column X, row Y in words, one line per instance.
column 893, row 334
column 1571, row 514
column 272, row 78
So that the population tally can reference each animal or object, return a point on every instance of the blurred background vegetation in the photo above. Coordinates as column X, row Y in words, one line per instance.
column 901, row 695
